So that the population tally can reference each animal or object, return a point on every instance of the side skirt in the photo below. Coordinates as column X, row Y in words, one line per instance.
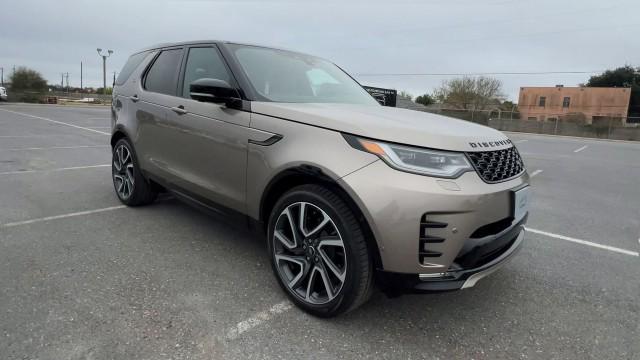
column 211, row 208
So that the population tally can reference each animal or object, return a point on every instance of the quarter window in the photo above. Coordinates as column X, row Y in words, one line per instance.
column 130, row 66
column 543, row 101
column 205, row 62
column 163, row 75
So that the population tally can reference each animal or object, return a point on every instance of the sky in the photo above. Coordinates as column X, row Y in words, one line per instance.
column 366, row 38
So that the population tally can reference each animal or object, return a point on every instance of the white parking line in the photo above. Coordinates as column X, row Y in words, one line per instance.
column 584, row 242
column 57, row 122
column 59, row 169
column 580, row 149
column 257, row 319
column 536, row 172
column 521, row 141
column 55, row 147
column 49, row 218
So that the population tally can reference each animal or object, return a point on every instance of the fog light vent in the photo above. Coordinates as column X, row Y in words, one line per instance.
column 425, row 238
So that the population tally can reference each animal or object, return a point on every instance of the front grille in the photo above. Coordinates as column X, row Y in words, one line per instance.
column 496, row 166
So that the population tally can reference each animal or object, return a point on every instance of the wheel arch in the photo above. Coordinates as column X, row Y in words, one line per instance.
column 309, row 174
column 118, row 134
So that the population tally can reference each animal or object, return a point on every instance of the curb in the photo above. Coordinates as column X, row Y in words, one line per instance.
column 57, row 105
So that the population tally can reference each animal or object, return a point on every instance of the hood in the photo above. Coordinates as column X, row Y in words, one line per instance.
column 391, row 124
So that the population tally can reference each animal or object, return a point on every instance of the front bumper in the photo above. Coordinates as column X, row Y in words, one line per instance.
column 430, row 226
column 510, row 240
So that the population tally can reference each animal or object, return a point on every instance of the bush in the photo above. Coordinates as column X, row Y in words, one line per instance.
column 24, row 79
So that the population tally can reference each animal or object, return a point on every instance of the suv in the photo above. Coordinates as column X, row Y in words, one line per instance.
column 3, row 94
column 349, row 193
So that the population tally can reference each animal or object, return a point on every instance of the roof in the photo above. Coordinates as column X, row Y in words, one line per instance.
column 196, row 42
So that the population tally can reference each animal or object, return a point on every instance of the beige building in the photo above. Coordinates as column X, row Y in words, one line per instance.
column 588, row 103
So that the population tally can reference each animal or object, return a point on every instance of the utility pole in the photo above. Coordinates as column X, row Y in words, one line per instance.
column 104, row 69
column 81, row 88
column 1, row 76
column 63, row 76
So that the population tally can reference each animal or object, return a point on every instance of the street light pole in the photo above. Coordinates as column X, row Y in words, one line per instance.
column 104, row 68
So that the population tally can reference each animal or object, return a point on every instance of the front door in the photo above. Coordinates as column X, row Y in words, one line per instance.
column 209, row 140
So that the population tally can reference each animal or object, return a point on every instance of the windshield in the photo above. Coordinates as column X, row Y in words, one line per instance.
column 284, row 76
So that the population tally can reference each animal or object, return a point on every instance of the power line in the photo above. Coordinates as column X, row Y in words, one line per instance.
column 483, row 73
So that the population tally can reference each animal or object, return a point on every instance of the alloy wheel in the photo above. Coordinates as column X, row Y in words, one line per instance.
column 123, row 171
column 309, row 253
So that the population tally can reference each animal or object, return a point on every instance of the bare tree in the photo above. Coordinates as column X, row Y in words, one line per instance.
column 470, row 93
column 404, row 94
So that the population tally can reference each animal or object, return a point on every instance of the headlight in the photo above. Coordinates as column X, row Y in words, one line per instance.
column 413, row 159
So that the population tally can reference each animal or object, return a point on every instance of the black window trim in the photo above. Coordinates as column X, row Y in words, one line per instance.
column 143, row 78
column 183, row 68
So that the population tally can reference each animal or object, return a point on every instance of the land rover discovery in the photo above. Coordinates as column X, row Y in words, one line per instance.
column 349, row 193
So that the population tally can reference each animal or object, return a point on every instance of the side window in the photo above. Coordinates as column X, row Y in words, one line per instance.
column 204, row 62
column 543, row 101
column 163, row 75
column 130, row 66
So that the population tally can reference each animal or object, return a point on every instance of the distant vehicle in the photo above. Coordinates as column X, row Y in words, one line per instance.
column 3, row 94
column 347, row 191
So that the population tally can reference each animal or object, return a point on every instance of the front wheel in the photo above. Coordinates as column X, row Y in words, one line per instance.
column 318, row 251
column 130, row 185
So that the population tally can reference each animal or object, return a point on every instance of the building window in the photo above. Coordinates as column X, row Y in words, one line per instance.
column 566, row 102
column 543, row 101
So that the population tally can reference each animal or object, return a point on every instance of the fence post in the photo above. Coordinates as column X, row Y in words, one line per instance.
column 609, row 132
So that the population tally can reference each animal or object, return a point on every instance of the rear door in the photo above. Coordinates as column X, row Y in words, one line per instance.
column 209, row 141
column 155, row 142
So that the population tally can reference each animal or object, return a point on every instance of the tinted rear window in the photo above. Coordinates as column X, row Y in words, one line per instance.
column 130, row 66
column 163, row 75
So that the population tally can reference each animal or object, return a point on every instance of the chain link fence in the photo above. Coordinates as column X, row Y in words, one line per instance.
column 602, row 127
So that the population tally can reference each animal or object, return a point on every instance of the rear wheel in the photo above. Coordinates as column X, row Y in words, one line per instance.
column 131, row 187
column 318, row 251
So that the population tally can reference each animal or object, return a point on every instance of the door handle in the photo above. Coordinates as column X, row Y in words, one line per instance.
column 134, row 98
column 179, row 110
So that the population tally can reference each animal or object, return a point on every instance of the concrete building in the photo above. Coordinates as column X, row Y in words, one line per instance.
column 589, row 104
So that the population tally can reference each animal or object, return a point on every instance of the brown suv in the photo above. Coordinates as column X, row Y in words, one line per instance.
column 348, row 192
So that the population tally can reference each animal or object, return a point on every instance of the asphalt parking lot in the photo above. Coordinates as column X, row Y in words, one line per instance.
column 83, row 277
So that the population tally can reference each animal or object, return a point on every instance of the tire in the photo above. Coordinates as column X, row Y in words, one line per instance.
column 131, row 187
column 323, row 265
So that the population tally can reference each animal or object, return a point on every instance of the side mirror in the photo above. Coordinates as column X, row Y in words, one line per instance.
column 214, row 91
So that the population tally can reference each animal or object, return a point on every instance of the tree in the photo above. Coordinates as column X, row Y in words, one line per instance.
column 470, row 93
column 508, row 105
column 425, row 100
column 625, row 76
column 27, row 79
column 404, row 94
column 101, row 91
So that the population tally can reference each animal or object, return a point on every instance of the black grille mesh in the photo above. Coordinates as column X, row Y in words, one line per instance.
column 498, row 165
